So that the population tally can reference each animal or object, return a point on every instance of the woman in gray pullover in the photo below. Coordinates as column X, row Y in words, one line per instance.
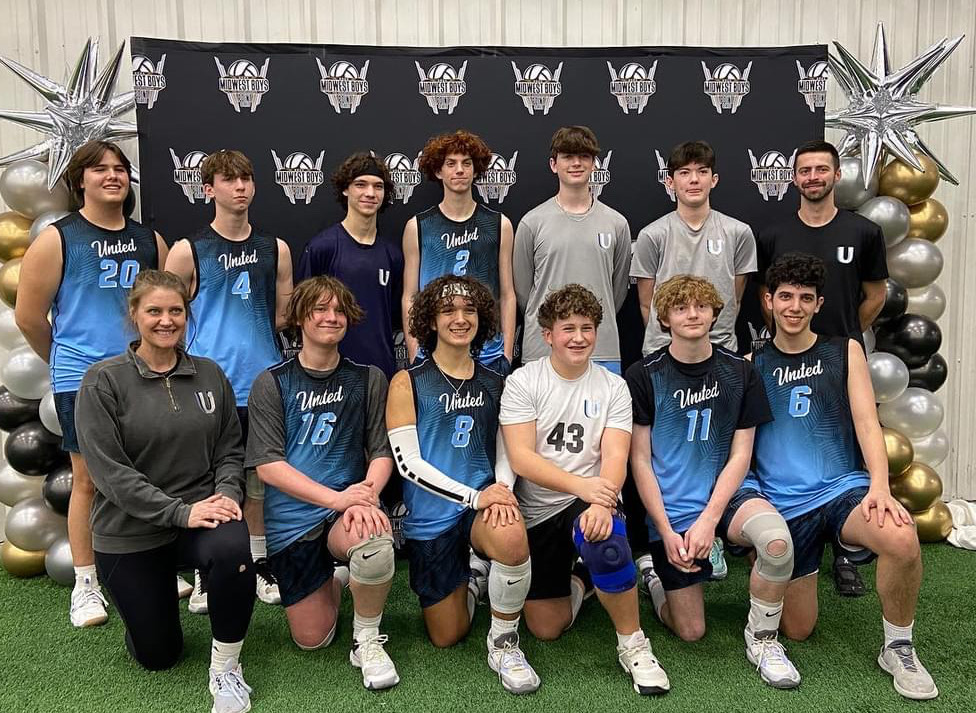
column 160, row 433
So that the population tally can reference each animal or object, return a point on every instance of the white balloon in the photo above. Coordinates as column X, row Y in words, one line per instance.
column 889, row 376
column 928, row 301
column 914, row 262
column 23, row 187
column 932, row 449
column 15, row 486
column 32, row 525
column 49, row 414
column 25, row 374
column 10, row 335
column 44, row 220
column 890, row 214
column 916, row 413
column 849, row 191
column 58, row 563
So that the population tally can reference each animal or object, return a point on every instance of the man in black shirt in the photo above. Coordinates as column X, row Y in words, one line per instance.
column 853, row 249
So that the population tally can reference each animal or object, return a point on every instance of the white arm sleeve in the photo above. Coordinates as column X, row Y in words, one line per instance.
column 503, row 469
column 412, row 466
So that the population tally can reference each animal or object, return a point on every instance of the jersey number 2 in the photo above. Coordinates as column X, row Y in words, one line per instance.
column 461, row 262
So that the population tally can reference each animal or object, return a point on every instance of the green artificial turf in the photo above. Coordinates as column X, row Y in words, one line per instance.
column 45, row 665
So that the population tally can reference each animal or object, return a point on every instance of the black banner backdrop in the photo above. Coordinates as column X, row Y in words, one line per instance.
column 298, row 110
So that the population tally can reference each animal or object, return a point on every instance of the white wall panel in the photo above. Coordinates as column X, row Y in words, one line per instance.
column 48, row 34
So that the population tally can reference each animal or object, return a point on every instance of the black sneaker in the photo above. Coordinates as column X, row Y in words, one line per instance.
column 847, row 579
column 266, row 584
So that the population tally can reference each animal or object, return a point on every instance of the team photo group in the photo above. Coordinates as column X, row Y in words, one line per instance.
column 228, row 417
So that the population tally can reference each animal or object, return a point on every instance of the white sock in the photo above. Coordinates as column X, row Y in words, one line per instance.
column 629, row 641
column 86, row 576
column 763, row 616
column 221, row 653
column 472, row 600
column 896, row 633
column 259, row 547
column 576, row 591
column 658, row 595
column 365, row 627
column 502, row 626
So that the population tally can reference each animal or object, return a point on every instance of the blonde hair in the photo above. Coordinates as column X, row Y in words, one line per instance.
column 682, row 290
column 307, row 294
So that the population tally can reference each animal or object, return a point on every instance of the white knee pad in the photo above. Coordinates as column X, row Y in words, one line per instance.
column 371, row 561
column 321, row 645
column 508, row 586
column 762, row 529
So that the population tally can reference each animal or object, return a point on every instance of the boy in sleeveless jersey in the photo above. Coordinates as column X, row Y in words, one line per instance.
column 240, row 279
column 822, row 463
column 318, row 442
column 442, row 416
column 81, row 269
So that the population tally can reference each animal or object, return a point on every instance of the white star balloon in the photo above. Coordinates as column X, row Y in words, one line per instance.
column 86, row 107
column 883, row 109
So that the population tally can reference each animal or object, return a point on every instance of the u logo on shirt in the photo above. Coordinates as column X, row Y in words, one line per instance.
column 384, row 277
column 605, row 239
column 591, row 409
column 845, row 254
column 206, row 402
column 715, row 245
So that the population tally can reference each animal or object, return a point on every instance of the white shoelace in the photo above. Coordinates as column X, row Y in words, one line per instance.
column 372, row 649
column 771, row 651
column 642, row 649
column 232, row 683
column 87, row 596
column 512, row 658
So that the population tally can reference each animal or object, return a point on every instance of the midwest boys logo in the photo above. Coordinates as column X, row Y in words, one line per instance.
column 538, row 86
column 772, row 173
column 343, row 84
column 813, row 84
column 494, row 183
column 186, row 174
column 662, row 174
column 600, row 175
column 442, row 86
column 726, row 85
column 405, row 175
column 298, row 175
column 633, row 85
column 147, row 81
column 243, row 83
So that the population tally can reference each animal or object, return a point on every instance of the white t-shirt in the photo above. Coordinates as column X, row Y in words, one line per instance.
column 570, row 416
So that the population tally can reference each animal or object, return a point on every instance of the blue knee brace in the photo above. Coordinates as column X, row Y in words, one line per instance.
column 609, row 561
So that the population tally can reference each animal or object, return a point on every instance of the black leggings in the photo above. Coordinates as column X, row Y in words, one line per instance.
column 143, row 588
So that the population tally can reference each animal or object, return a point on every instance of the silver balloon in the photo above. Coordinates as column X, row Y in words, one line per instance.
column 44, row 220
column 915, row 263
column 15, row 486
column 849, row 191
column 49, row 414
column 929, row 301
column 26, row 375
column 58, row 563
column 10, row 336
column 916, row 413
column 33, row 525
column 932, row 449
column 869, row 340
column 889, row 376
column 891, row 215
column 23, row 187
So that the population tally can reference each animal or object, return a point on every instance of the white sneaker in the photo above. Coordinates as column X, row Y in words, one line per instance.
column 911, row 679
column 720, row 568
column 479, row 576
column 645, row 570
column 648, row 676
column 183, row 588
column 230, row 693
column 266, row 584
column 507, row 660
column 377, row 667
column 198, row 599
column 769, row 657
column 88, row 605
column 341, row 573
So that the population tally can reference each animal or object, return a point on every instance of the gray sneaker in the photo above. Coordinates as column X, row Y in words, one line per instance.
column 507, row 660
column 645, row 572
column 720, row 569
column 911, row 679
column 230, row 693
column 769, row 657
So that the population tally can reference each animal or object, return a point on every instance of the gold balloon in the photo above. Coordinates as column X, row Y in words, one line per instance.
column 927, row 220
column 917, row 488
column 21, row 563
column 900, row 450
column 14, row 235
column 9, row 279
column 934, row 524
column 901, row 181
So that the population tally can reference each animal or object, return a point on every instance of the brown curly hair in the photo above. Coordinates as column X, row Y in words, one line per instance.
column 308, row 293
column 362, row 164
column 439, row 147
column 682, row 290
column 569, row 300
column 428, row 302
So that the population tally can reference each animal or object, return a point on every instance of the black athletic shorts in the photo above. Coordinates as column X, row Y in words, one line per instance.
column 439, row 566
column 304, row 565
column 554, row 553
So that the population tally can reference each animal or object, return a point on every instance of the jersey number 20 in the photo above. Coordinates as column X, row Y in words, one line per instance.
column 114, row 274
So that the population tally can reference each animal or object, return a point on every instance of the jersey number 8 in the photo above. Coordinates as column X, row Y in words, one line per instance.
column 462, row 431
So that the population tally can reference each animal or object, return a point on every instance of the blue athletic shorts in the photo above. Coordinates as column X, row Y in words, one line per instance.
column 304, row 565
column 812, row 530
column 439, row 566
column 64, row 404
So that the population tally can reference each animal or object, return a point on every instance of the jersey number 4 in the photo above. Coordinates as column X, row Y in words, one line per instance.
column 568, row 436
column 114, row 274
column 242, row 285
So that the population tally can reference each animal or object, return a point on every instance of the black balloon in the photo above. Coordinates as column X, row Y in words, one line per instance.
column 911, row 337
column 31, row 449
column 931, row 375
column 15, row 411
column 57, row 489
column 895, row 304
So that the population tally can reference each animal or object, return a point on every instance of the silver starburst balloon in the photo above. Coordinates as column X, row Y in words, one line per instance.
column 86, row 107
column 883, row 109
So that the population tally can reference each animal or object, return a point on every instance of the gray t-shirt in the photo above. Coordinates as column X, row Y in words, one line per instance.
column 266, row 436
column 718, row 251
column 554, row 248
